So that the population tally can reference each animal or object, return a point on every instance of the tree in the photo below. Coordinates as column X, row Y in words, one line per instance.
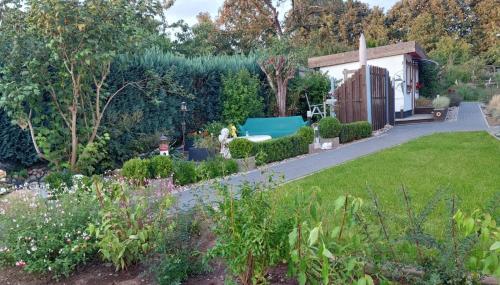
column 54, row 80
column 374, row 28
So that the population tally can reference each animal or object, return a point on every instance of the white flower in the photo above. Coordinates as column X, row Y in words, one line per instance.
column 33, row 248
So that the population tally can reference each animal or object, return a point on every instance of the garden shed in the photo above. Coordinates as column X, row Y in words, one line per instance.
column 401, row 60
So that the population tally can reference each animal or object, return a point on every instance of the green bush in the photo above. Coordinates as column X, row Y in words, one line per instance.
column 136, row 169
column 241, row 100
column 184, row 172
column 160, row 166
column 282, row 148
column 240, row 148
column 47, row 238
column 329, row 127
column 471, row 93
column 355, row 131
column 216, row 167
column 58, row 181
column 307, row 133
column 441, row 102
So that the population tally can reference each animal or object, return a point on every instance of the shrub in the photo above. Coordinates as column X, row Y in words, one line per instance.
column 241, row 98
column 260, row 158
column 494, row 106
column 216, row 167
column 329, row 127
column 214, row 128
column 471, row 93
column 94, row 157
column 59, row 181
column 282, row 148
column 129, row 225
column 240, row 148
column 423, row 102
column 252, row 241
column 136, row 169
column 47, row 236
column 160, row 166
column 184, row 172
column 355, row 131
column 307, row 133
column 441, row 102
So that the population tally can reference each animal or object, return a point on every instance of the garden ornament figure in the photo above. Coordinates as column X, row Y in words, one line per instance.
column 233, row 131
column 224, row 140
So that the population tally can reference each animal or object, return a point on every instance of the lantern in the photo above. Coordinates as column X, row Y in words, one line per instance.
column 183, row 124
column 164, row 145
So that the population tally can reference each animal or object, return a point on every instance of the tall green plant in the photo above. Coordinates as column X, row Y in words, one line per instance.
column 241, row 97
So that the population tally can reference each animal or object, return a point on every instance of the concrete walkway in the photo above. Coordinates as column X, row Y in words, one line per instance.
column 470, row 118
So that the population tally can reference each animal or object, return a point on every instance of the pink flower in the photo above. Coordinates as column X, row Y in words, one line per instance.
column 20, row 263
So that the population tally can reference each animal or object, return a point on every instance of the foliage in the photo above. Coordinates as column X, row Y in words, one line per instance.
column 15, row 143
column 240, row 94
column 214, row 128
column 315, row 85
column 329, row 127
column 137, row 170
column 429, row 76
column 282, row 148
column 441, row 102
column 333, row 256
column 423, row 102
column 59, row 181
column 93, row 157
column 136, row 118
column 450, row 50
column 471, row 93
column 355, row 131
column 260, row 158
column 160, row 166
column 216, row 167
column 46, row 236
column 60, row 84
column 494, row 106
column 240, row 148
column 208, row 141
column 248, row 240
column 179, row 251
column 184, row 172
column 307, row 133
column 129, row 226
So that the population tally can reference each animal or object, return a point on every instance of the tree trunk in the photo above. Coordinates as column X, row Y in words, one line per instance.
column 281, row 98
column 74, row 137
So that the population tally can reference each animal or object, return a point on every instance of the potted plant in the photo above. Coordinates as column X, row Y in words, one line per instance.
column 329, row 130
column 440, row 104
column 241, row 150
column 205, row 146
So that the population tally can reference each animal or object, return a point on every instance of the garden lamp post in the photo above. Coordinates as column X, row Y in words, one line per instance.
column 164, row 145
column 183, row 124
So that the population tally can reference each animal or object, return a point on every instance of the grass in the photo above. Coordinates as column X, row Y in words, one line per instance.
column 466, row 164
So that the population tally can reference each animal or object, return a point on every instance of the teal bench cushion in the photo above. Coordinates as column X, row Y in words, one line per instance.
column 274, row 127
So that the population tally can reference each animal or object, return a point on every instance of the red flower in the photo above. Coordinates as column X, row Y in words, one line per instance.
column 419, row 85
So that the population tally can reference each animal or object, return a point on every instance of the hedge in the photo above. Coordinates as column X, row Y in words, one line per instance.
column 282, row 148
column 329, row 127
column 355, row 131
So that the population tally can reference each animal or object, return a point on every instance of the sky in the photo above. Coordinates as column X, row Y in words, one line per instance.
column 188, row 9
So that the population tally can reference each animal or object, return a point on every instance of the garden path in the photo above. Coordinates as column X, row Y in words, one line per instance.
column 470, row 118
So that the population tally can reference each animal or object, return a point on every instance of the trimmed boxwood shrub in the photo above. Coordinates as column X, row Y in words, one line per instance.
column 160, row 166
column 307, row 133
column 137, row 169
column 355, row 131
column 282, row 148
column 216, row 167
column 240, row 148
column 329, row 127
column 184, row 172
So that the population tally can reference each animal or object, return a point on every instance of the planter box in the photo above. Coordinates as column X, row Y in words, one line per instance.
column 199, row 154
column 246, row 164
column 440, row 114
column 424, row 110
column 335, row 142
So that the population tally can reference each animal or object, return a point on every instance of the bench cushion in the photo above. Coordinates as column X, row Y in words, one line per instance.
column 274, row 127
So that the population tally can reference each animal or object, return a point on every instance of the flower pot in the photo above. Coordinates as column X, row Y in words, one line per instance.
column 246, row 164
column 199, row 154
column 424, row 110
column 334, row 141
column 440, row 114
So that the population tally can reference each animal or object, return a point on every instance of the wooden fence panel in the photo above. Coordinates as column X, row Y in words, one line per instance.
column 351, row 98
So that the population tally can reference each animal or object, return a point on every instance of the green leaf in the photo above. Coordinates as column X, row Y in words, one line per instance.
column 313, row 236
column 302, row 278
column 495, row 246
column 339, row 203
column 292, row 237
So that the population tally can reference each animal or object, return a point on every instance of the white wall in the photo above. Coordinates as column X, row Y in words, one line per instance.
column 394, row 64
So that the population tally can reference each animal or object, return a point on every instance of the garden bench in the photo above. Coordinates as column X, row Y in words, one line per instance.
column 274, row 127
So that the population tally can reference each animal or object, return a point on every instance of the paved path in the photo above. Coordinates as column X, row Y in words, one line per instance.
column 470, row 118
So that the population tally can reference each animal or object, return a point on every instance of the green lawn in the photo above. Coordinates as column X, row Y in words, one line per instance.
column 467, row 164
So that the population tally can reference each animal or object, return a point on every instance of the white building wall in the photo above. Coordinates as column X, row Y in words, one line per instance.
column 394, row 64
